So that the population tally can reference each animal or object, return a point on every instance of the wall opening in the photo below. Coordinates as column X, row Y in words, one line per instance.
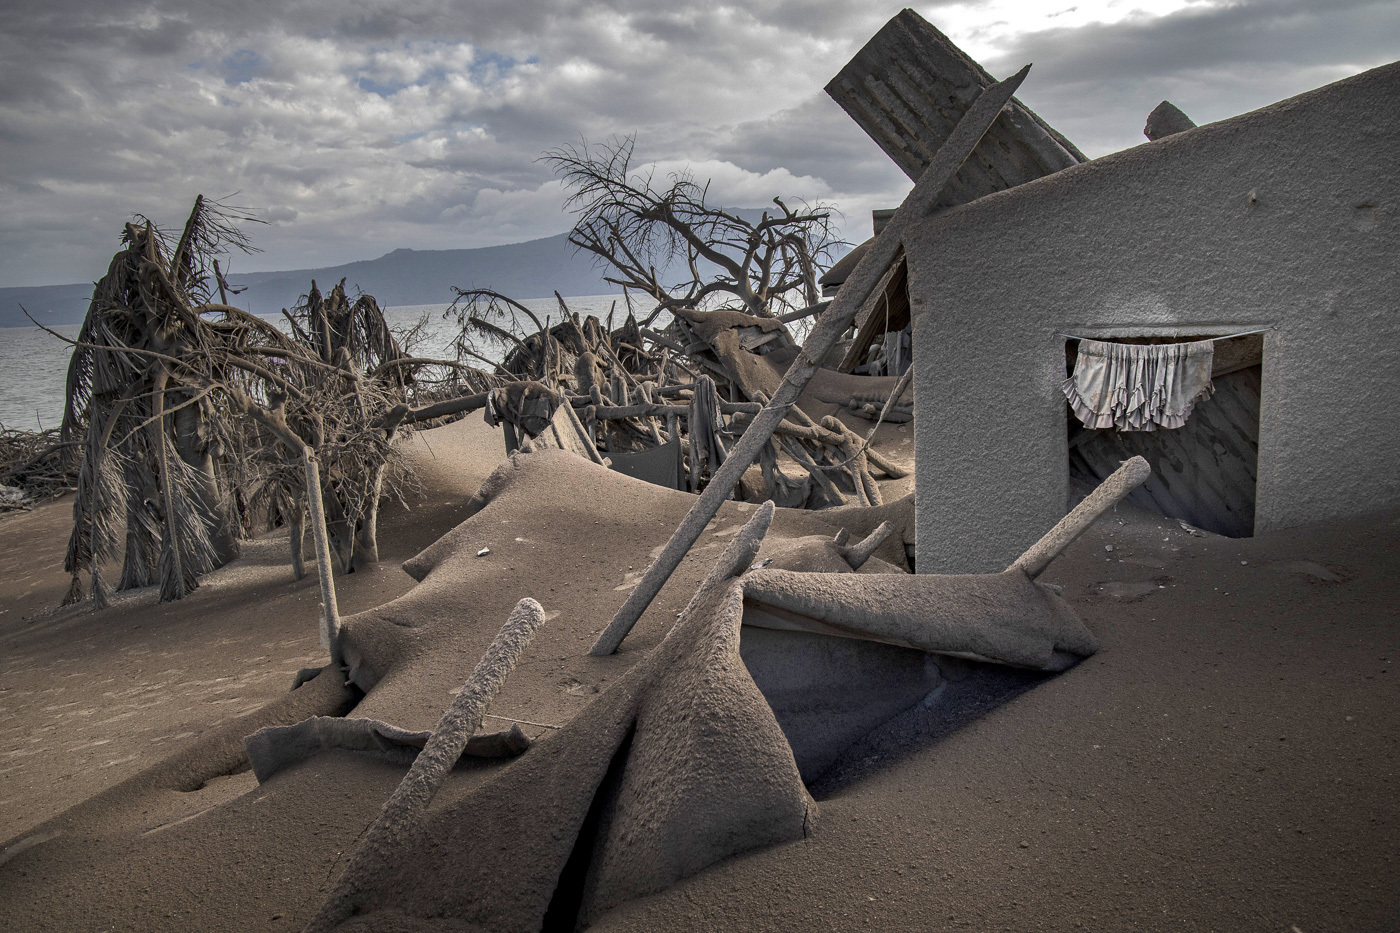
column 882, row 344
column 1204, row 473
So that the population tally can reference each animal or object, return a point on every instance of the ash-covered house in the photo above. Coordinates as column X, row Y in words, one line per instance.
column 1277, row 231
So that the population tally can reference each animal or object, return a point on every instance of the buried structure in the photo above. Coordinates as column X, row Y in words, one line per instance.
column 703, row 749
column 1060, row 307
column 1266, row 241
column 700, row 751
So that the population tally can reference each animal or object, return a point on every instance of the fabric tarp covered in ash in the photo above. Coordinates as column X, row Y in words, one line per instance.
column 681, row 762
column 273, row 748
column 677, row 766
column 406, row 654
column 1004, row 618
column 530, row 405
column 1139, row 387
column 563, row 433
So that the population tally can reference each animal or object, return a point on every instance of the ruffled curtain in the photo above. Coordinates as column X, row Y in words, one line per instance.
column 1139, row 387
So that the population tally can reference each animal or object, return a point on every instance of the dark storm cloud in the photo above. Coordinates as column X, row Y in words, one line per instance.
column 362, row 126
column 814, row 138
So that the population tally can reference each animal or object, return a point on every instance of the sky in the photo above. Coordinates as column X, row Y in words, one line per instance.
column 360, row 126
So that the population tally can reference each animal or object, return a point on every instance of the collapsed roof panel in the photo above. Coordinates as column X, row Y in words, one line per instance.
column 909, row 86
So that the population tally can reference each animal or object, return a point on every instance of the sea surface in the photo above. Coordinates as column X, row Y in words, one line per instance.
column 34, row 364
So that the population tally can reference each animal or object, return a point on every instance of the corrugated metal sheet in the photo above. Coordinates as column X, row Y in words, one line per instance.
column 909, row 86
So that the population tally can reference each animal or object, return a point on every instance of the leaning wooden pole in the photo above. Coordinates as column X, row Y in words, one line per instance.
column 403, row 812
column 330, row 613
column 828, row 330
column 1132, row 474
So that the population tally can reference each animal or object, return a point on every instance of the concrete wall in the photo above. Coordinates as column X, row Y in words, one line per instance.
column 1285, row 218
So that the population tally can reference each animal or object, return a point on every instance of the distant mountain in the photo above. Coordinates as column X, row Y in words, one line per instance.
column 50, row 304
column 533, row 269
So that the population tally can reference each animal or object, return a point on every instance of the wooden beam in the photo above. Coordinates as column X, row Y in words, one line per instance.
column 829, row 329
column 910, row 85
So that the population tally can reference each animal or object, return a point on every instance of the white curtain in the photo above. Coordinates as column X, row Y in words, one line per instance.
column 1139, row 387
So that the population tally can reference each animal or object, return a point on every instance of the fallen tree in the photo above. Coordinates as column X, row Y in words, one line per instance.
column 192, row 417
column 700, row 358
column 668, row 243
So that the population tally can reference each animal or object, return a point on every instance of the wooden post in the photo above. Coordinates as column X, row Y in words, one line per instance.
column 857, row 554
column 330, row 613
column 585, row 436
column 1132, row 474
column 219, row 277
column 403, row 811
column 828, row 331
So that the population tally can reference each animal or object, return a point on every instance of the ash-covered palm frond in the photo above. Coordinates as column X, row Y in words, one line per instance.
column 186, row 410
column 140, row 565
column 98, row 508
column 486, row 321
column 489, row 323
column 147, row 300
column 211, row 230
column 187, row 548
column 337, row 327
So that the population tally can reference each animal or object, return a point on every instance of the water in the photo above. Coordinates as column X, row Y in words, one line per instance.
column 33, row 369
column 34, row 364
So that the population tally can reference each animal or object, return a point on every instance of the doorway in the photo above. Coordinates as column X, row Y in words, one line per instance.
column 1203, row 473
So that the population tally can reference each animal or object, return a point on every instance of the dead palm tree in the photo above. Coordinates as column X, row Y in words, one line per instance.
column 195, row 417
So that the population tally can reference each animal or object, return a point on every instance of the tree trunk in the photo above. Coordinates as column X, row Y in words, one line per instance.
column 367, row 536
column 340, row 530
column 296, row 533
column 192, row 446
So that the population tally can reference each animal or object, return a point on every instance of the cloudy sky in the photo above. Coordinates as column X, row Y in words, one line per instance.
column 359, row 126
